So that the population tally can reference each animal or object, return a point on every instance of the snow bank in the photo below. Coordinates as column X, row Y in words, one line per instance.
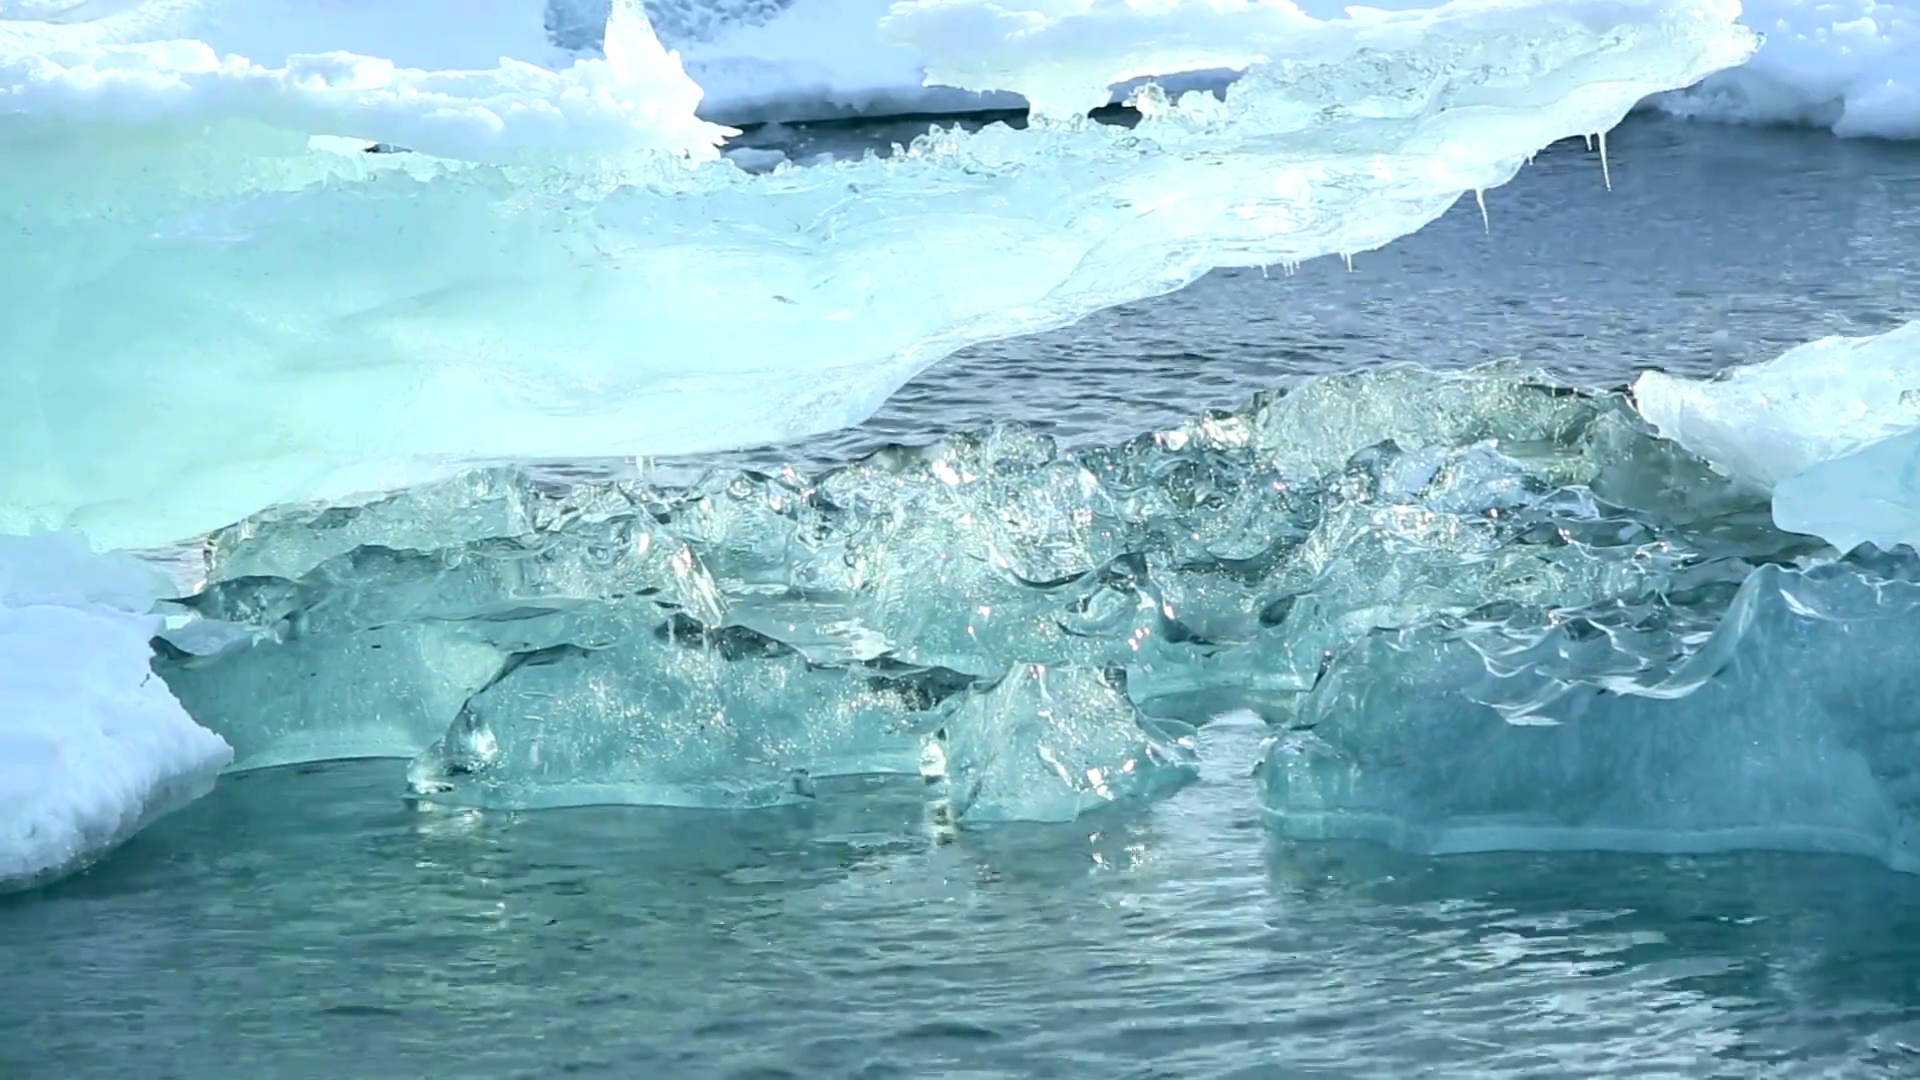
column 1849, row 65
column 472, row 79
column 92, row 744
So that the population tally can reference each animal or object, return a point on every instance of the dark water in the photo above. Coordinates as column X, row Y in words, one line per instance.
column 307, row 923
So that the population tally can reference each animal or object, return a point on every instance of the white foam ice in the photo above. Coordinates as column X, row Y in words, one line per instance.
column 1830, row 428
column 92, row 744
column 203, row 312
column 1852, row 66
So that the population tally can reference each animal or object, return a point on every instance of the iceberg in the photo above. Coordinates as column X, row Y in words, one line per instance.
column 92, row 745
column 217, row 301
column 1849, row 66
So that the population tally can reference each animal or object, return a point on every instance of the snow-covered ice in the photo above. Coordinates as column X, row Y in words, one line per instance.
column 204, row 314
column 1852, row 66
column 93, row 745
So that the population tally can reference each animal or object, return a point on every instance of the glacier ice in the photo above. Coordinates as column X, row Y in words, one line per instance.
column 1828, row 428
column 1033, row 628
column 1772, row 714
column 92, row 745
column 208, row 311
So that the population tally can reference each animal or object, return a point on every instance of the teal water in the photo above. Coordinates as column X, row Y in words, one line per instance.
column 309, row 923
column 304, row 923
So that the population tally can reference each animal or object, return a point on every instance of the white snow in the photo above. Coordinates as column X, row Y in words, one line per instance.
column 1831, row 429
column 202, row 319
column 1849, row 65
column 1852, row 66
column 471, row 79
column 92, row 744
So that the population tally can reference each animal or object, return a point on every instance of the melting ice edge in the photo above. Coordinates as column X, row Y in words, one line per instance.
column 1478, row 611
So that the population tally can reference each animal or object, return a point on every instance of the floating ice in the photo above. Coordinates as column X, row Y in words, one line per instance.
column 1828, row 428
column 1627, row 725
column 207, row 313
column 1037, row 626
column 92, row 746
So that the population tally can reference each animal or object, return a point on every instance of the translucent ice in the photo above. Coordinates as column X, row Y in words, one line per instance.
column 92, row 745
column 1039, row 625
column 1051, row 743
column 1776, row 716
column 204, row 311
column 1871, row 496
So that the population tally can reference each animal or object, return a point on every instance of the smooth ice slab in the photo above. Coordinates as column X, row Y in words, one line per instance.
column 92, row 744
column 1849, row 65
column 1627, row 726
column 1871, row 496
column 205, row 313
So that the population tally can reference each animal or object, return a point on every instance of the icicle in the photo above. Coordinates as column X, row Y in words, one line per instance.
column 1606, row 173
column 1264, row 275
column 1589, row 139
column 1347, row 257
column 1480, row 196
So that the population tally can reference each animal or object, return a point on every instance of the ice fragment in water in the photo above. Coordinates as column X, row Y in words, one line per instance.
column 729, row 643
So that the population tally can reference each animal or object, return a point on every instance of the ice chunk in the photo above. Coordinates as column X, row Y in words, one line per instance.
column 203, row 312
column 372, row 652
column 1849, row 65
column 1829, row 428
column 1763, row 423
column 567, row 643
column 1627, row 726
column 92, row 745
column 1051, row 743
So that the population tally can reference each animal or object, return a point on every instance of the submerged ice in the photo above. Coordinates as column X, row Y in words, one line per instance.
column 209, row 311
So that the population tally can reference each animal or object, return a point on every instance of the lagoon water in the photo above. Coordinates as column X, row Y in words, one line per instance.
column 309, row 923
